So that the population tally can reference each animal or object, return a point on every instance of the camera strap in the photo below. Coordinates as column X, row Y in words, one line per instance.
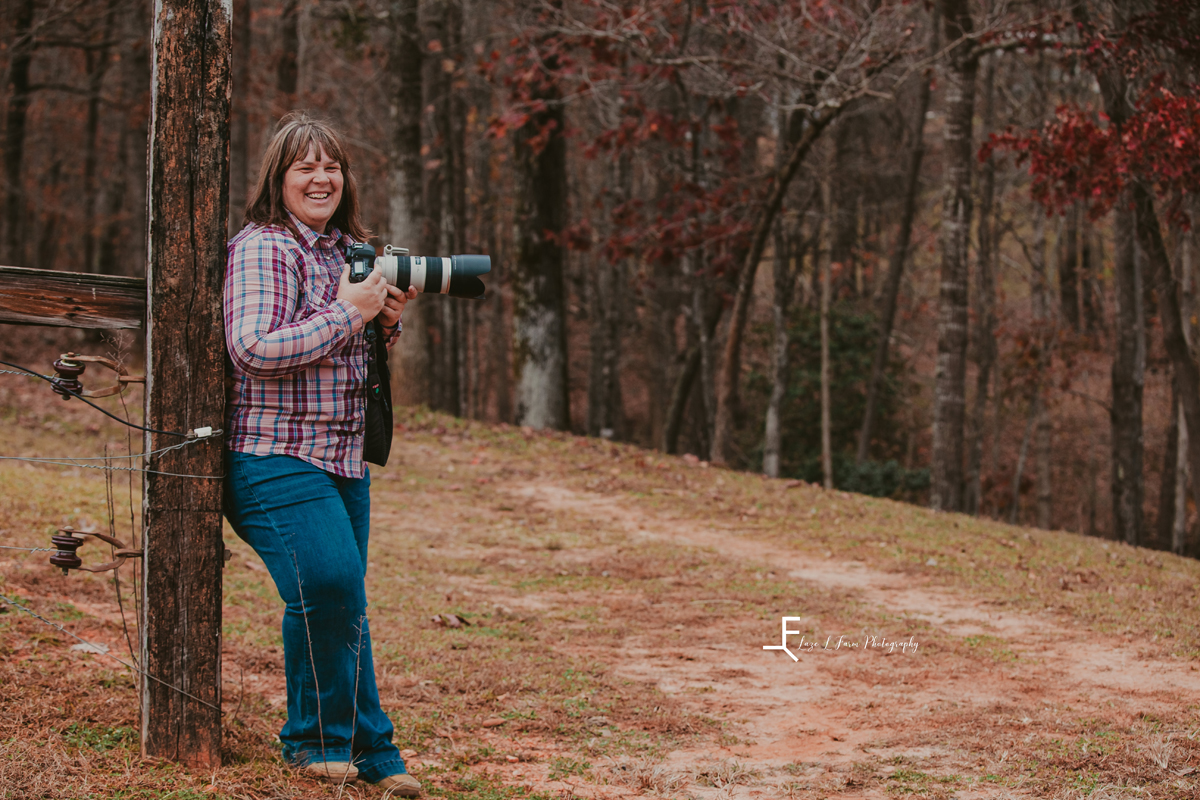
column 377, row 437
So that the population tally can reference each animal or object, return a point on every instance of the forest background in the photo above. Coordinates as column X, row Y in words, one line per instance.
column 936, row 251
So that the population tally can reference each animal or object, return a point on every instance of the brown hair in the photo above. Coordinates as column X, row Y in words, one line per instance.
column 298, row 132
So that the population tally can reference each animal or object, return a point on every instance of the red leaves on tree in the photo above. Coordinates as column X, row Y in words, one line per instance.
column 1076, row 157
column 1080, row 155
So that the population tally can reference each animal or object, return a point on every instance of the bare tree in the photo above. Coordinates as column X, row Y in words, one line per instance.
column 606, row 415
column 1068, row 268
column 900, row 249
column 405, row 56
column 949, row 400
column 20, row 60
column 239, row 128
column 849, row 72
column 539, row 314
column 985, row 339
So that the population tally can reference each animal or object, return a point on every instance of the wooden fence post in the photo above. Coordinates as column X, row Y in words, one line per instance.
column 188, row 202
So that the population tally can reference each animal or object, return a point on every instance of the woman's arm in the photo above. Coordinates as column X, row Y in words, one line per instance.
column 262, row 291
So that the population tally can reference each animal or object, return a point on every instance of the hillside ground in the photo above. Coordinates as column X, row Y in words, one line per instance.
column 615, row 604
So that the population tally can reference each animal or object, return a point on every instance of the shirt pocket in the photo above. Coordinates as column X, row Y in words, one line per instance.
column 320, row 289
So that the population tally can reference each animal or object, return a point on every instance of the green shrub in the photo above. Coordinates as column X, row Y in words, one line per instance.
column 852, row 342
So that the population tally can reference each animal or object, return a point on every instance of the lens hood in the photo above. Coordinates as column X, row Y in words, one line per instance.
column 464, row 276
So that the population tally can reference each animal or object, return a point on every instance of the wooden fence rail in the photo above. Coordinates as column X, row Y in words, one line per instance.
column 71, row 299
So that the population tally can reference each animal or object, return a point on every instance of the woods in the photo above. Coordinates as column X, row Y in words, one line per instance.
column 981, row 211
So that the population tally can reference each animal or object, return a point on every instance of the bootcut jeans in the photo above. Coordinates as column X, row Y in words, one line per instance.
column 310, row 528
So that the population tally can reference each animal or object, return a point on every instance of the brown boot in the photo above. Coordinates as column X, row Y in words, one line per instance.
column 337, row 771
column 400, row 786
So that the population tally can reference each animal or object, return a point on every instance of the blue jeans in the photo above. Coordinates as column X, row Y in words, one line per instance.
column 310, row 528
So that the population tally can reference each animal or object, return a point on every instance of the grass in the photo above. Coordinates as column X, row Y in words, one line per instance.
column 99, row 739
column 546, row 589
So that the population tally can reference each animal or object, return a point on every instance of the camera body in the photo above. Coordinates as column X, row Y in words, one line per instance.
column 361, row 258
column 457, row 276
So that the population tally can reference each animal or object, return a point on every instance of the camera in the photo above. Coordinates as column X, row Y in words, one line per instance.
column 457, row 276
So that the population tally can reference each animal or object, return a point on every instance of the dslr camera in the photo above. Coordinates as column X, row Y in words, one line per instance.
column 457, row 276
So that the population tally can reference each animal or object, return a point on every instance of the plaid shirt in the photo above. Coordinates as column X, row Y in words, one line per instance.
column 299, row 354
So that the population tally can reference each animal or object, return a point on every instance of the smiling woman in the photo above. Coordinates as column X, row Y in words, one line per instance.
column 297, row 490
column 312, row 187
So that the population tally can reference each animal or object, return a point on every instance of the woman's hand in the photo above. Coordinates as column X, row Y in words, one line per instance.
column 393, row 306
column 368, row 296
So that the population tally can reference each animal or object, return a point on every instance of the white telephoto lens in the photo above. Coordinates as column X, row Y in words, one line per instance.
column 417, row 265
column 388, row 266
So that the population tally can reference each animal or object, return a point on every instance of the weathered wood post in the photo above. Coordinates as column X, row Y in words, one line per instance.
column 188, row 201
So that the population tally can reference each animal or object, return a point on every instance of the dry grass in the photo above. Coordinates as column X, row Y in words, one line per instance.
column 547, row 592
column 650, row 777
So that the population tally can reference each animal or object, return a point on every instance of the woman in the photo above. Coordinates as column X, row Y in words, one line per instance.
column 297, row 487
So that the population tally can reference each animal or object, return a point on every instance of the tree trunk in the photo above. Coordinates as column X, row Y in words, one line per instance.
column 287, row 71
column 606, row 287
column 785, row 277
column 440, row 208
column 681, row 389
column 97, row 61
column 413, row 376
column 47, row 246
column 844, row 194
column 1182, row 475
column 433, row 207
column 1128, row 379
column 891, row 290
column 1044, row 458
column 1091, row 494
column 703, row 299
column 702, row 302
column 1129, row 362
column 456, row 172
column 1093, row 312
column 499, row 335
column 474, row 373
column 19, row 63
column 949, row 403
column 1186, row 370
column 1164, row 524
column 1068, row 268
column 1044, row 336
column 826, row 416
column 113, row 242
column 1182, row 470
column 985, row 339
column 1014, row 515
column 723, row 449
column 605, row 412
column 239, row 130
column 539, row 315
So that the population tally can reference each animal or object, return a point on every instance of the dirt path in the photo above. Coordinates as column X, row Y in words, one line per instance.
column 840, row 719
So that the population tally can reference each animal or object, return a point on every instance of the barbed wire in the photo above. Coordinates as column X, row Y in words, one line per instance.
column 58, row 386
column 192, row 437
column 71, row 461
column 147, row 454
column 104, row 468
column 98, row 650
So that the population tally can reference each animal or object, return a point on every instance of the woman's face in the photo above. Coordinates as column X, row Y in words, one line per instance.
column 312, row 188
